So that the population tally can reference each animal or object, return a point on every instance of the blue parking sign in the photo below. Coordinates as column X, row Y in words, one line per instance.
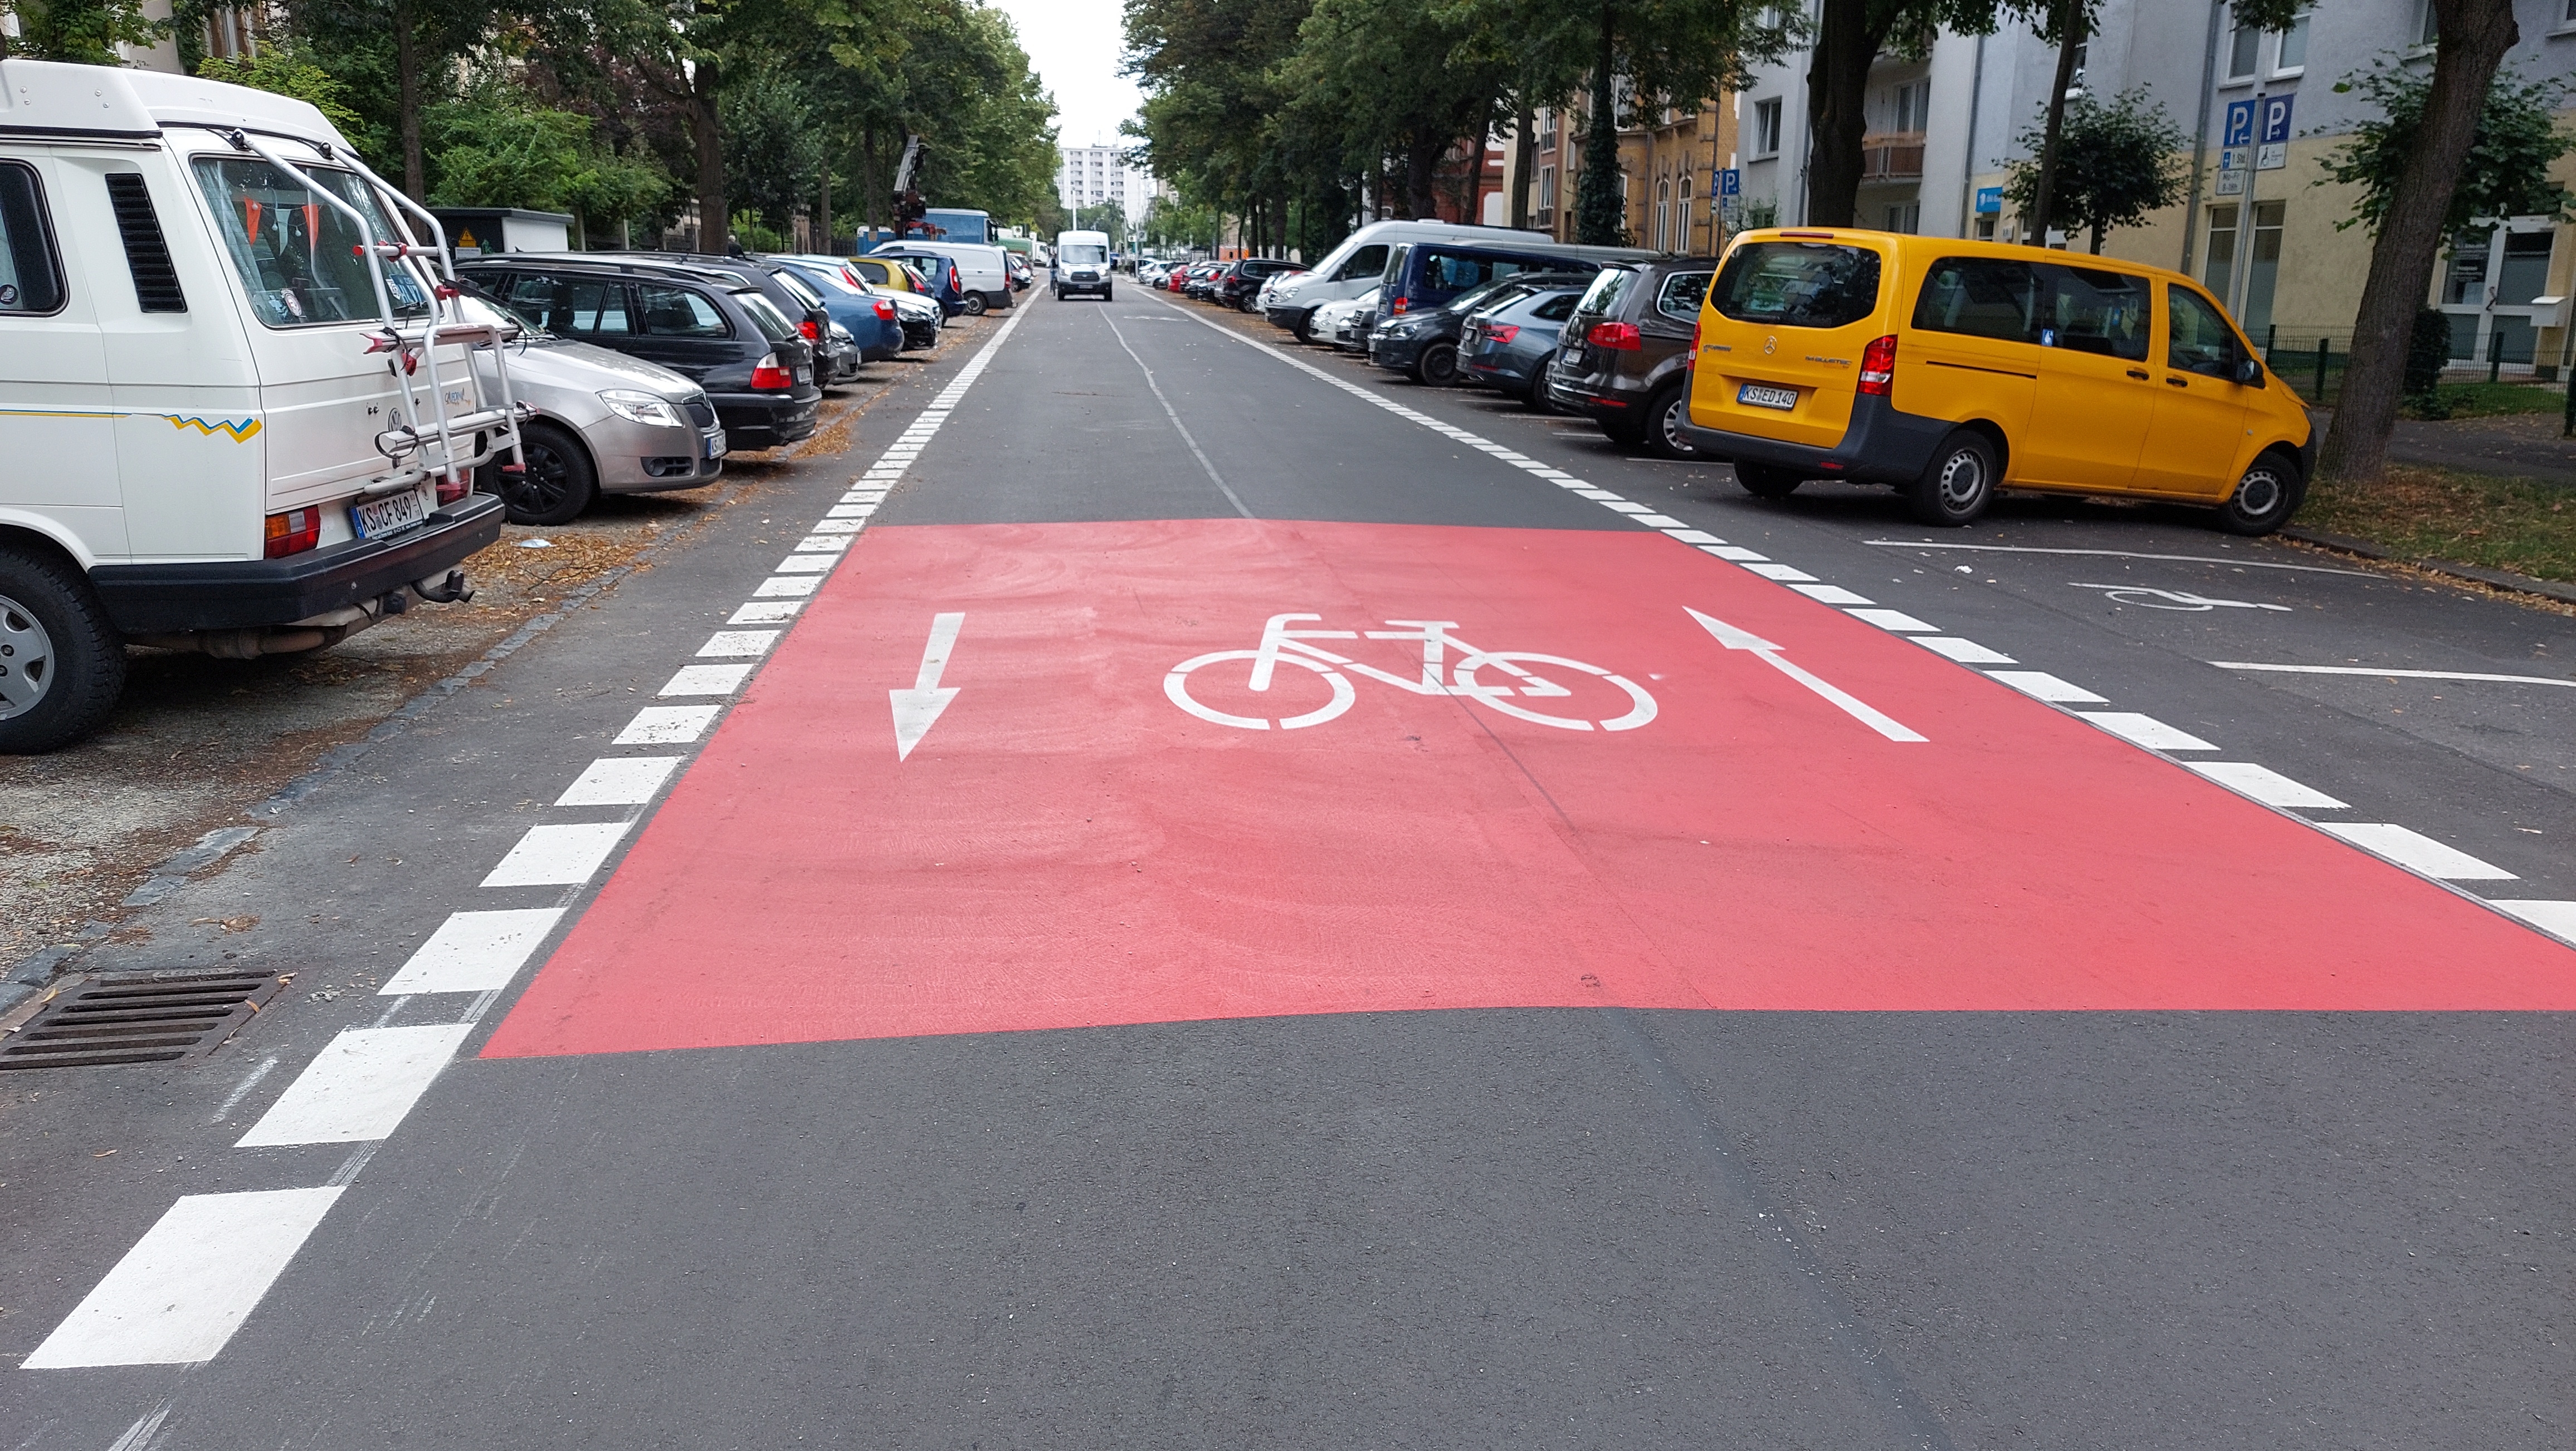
column 2276, row 118
column 2240, row 124
column 1730, row 182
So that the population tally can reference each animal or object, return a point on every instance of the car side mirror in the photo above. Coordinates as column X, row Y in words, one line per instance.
column 2249, row 370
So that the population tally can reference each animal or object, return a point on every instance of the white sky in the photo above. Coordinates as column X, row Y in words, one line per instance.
column 1075, row 45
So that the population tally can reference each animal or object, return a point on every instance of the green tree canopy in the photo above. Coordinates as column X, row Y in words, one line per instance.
column 2119, row 161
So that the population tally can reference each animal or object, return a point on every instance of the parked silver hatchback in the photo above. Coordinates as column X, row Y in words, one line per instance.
column 604, row 423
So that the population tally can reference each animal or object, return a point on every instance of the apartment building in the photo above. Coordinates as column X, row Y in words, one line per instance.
column 1670, row 158
column 1094, row 175
column 2262, row 113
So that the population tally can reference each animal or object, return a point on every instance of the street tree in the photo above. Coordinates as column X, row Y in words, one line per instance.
column 2414, row 168
column 86, row 32
column 2118, row 162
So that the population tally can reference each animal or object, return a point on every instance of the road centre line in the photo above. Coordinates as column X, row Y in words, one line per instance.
column 2117, row 554
column 2138, row 729
column 2368, row 672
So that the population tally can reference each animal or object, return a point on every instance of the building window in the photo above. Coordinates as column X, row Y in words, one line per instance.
column 1906, row 217
column 2292, row 57
column 2429, row 32
column 1986, row 226
column 1913, row 108
column 1766, row 127
column 2244, row 42
column 2219, row 275
column 2262, row 270
column 1546, row 196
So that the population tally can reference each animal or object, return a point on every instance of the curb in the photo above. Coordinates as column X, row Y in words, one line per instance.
column 2503, row 579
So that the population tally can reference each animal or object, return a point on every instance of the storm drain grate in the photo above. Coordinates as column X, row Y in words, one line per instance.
column 137, row 1017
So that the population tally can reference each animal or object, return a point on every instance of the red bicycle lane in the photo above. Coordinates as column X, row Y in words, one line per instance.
column 1068, row 846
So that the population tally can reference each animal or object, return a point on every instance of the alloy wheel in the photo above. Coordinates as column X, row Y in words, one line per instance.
column 26, row 659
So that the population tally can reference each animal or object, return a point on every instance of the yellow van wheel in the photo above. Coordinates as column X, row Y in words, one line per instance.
column 1958, row 484
column 2265, row 498
column 1764, row 481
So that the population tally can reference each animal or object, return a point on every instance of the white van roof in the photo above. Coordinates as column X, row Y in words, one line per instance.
column 45, row 98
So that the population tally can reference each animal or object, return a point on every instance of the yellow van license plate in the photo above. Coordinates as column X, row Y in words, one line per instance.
column 1754, row 395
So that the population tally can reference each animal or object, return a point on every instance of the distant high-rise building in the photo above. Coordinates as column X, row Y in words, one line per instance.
column 1093, row 175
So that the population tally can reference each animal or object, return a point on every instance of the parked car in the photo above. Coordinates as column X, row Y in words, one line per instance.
column 1626, row 360
column 705, row 324
column 1022, row 275
column 266, row 481
column 1508, row 343
column 1345, row 323
column 983, row 278
column 1261, row 299
column 871, row 319
column 1201, row 283
column 601, row 422
column 1951, row 369
column 1359, row 263
column 1237, row 284
column 938, row 275
column 1429, row 274
column 915, row 315
column 1082, row 264
column 1423, row 345
column 833, row 364
column 891, row 272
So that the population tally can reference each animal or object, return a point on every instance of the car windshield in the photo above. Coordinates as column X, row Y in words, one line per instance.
column 1082, row 252
column 798, row 288
column 1476, row 296
column 298, row 256
column 1798, row 284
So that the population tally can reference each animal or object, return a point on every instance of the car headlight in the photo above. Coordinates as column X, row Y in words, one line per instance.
column 642, row 408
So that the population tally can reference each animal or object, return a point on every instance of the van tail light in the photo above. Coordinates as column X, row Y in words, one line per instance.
column 1878, row 366
column 767, row 375
column 293, row 532
column 813, row 334
column 1621, row 337
column 453, row 487
column 885, row 309
column 1399, row 305
column 1692, row 362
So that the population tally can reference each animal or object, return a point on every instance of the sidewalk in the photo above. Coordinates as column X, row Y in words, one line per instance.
column 2520, row 445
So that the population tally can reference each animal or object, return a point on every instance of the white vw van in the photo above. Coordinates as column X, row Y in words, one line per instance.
column 236, row 409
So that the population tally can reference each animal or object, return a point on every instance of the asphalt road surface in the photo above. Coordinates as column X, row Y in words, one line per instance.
column 1187, row 893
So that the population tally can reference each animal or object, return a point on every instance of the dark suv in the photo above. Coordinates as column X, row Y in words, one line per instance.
column 1240, row 283
column 706, row 325
column 835, row 361
column 1423, row 344
column 1625, row 359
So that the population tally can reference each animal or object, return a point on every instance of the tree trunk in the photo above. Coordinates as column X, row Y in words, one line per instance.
column 1421, row 170
column 407, row 99
column 2045, row 200
column 1600, row 216
column 823, row 212
column 1837, row 112
column 706, row 134
column 870, row 200
column 2475, row 36
column 1524, row 147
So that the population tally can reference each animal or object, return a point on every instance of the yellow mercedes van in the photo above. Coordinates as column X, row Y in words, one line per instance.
column 1950, row 369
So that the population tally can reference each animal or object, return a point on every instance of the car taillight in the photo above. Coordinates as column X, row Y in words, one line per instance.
column 885, row 309
column 293, row 532
column 812, row 333
column 1399, row 305
column 1501, row 332
column 1878, row 366
column 766, row 374
column 1693, row 360
column 1616, row 336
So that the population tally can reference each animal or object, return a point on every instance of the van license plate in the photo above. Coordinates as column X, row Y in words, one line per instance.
column 1754, row 395
column 380, row 517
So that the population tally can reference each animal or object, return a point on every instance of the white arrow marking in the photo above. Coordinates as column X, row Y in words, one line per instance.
column 915, row 710
column 1769, row 654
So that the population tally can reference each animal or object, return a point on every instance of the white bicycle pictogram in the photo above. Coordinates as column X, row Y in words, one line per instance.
column 1512, row 673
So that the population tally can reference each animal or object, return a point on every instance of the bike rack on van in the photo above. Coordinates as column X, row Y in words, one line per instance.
column 409, row 438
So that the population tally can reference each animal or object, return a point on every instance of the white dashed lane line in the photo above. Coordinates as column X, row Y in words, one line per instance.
column 177, row 1296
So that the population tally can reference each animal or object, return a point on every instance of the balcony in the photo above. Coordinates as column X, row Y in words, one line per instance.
column 1895, row 157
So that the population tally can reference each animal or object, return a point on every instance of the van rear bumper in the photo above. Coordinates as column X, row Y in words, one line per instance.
column 242, row 594
column 1881, row 446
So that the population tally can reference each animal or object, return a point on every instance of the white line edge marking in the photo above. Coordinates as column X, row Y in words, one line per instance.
column 2117, row 554
column 2558, row 919
column 183, row 1289
column 474, row 951
column 2266, row 785
column 2367, row 672
column 557, row 854
column 2416, row 851
column 359, row 1087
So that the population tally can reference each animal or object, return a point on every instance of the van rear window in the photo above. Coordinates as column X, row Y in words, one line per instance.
column 30, row 280
column 1798, row 284
column 297, row 255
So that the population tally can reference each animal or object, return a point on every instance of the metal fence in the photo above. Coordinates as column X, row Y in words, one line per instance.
column 2310, row 361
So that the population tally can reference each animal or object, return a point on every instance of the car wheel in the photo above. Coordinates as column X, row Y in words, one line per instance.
column 1958, row 484
column 1106, row 294
column 1438, row 365
column 1303, row 329
column 62, row 665
column 559, row 482
column 1666, row 415
column 2265, row 498
column 1534, row 397
column 974, row 304
column 1767, row 481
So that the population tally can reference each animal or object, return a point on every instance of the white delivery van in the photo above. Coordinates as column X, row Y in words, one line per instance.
column 981, row 271
column 1359, row 263
column 236, row 401
column 1082, row 264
